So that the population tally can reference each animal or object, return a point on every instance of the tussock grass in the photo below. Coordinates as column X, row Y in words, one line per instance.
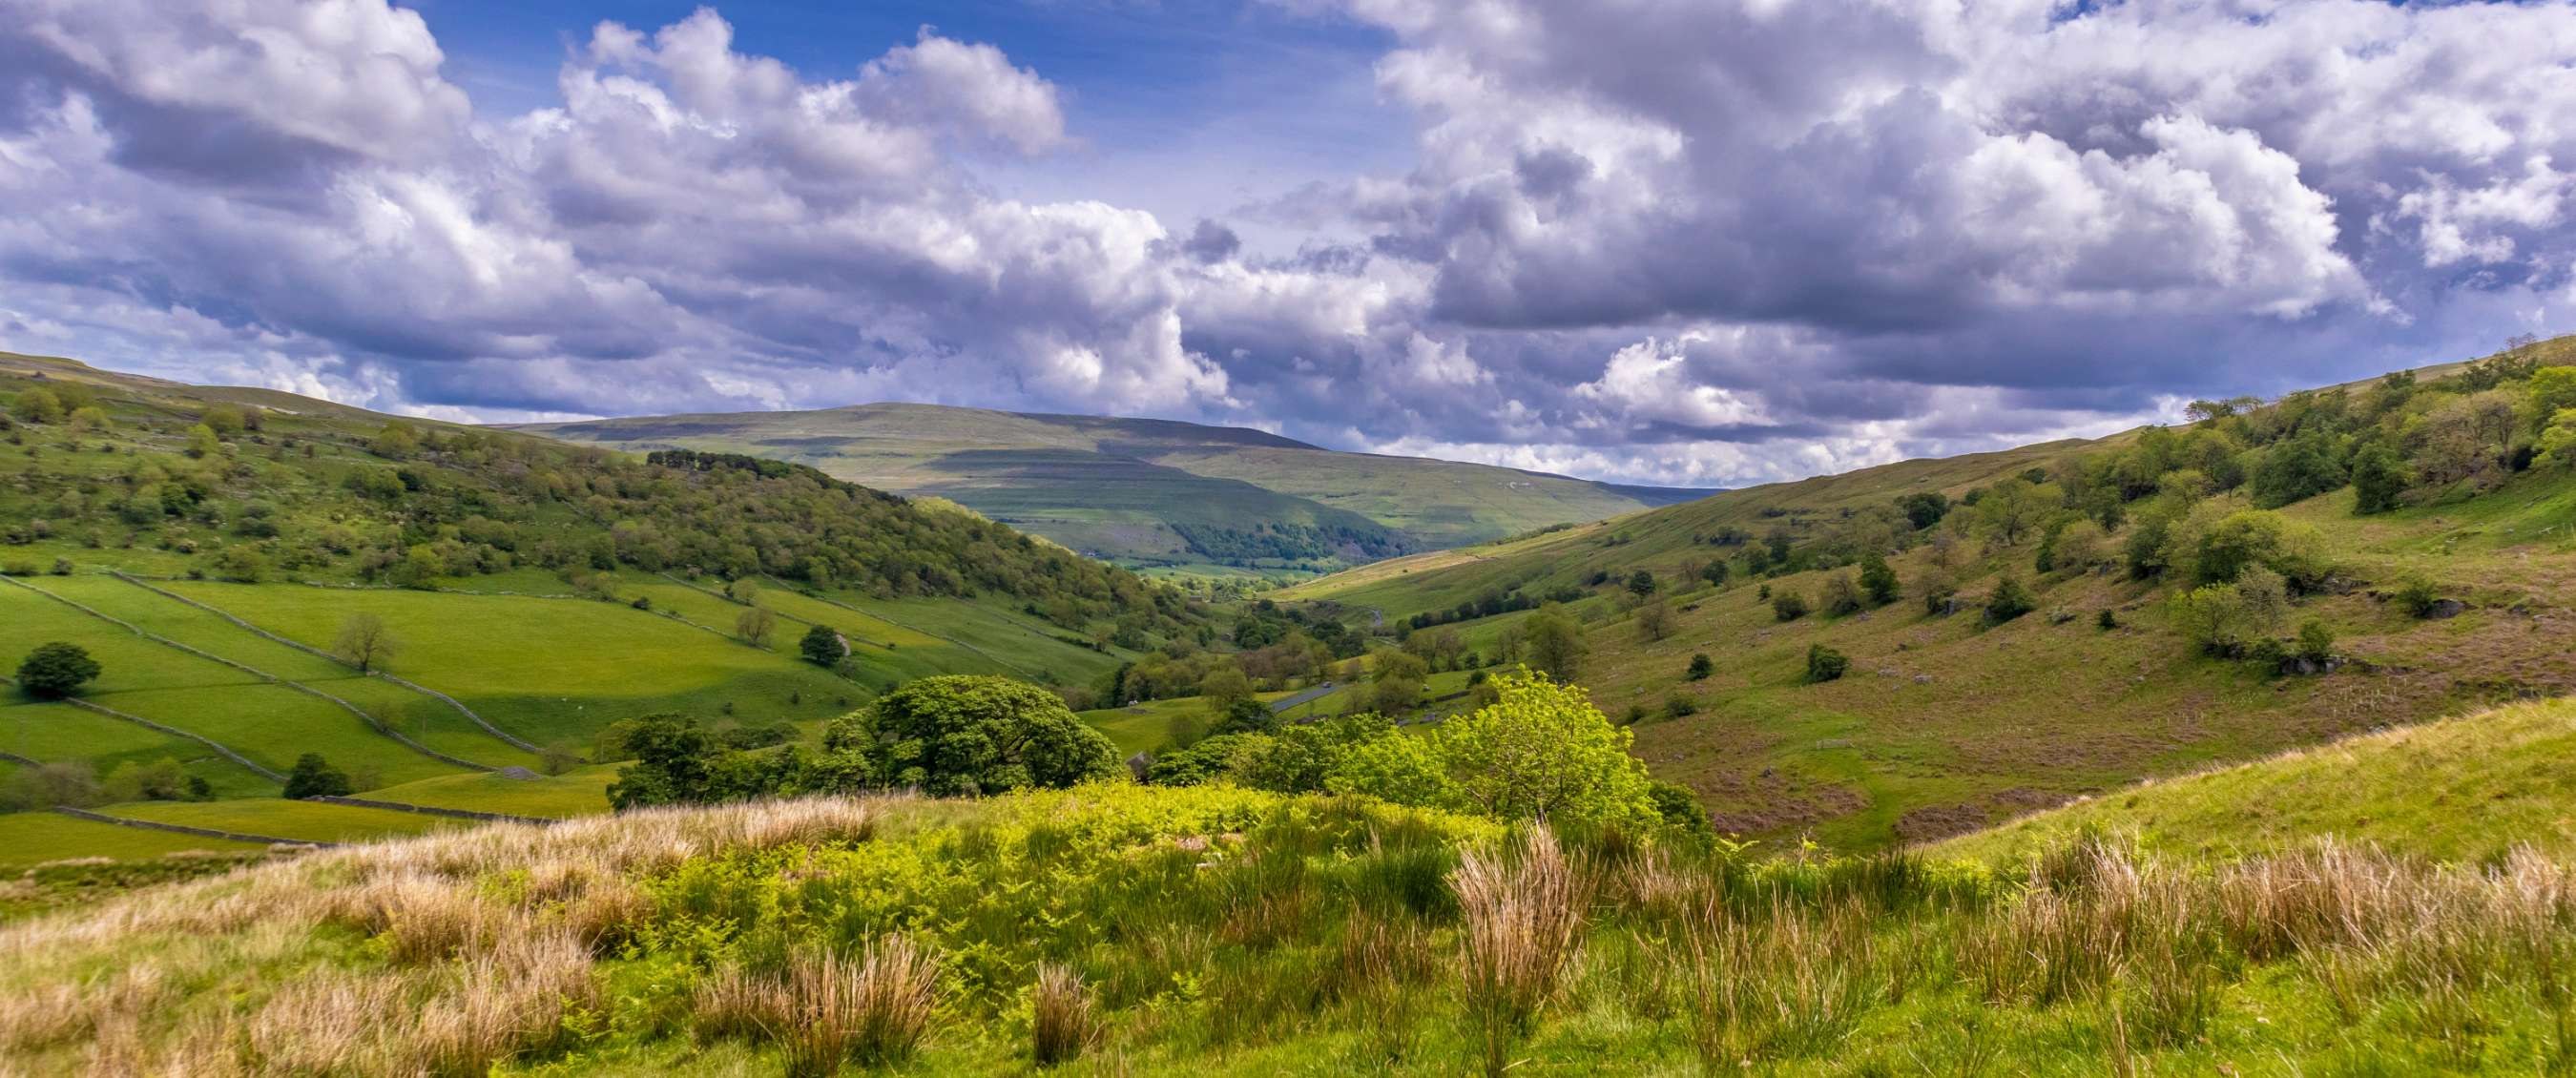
column 1524, row 914
column 1227, row 932
column 1063, row 1019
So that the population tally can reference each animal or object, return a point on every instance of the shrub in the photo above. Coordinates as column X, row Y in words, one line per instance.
column 1217, row 757
column 315, row 777
column 2107, row 620
column 2010, row 599
column 1680, row 809
column 1700, row 667
column 1655, row 619
column 1788, row 606
column 62, row 782
column 2417, row 595
column 2226, row 619
column 56, row 670
column 1879, row 579
column 2379, row 479
column 2216, row 550
column 1581, row 772
column 822, row 646
column 1678, row 706
column 981, row 734
column 1842, row 595
column 2316, row 641
column 1825, row 664
column 241, row 564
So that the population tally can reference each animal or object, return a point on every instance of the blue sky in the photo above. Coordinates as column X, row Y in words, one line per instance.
column 1689, row 242
column 1186, row 108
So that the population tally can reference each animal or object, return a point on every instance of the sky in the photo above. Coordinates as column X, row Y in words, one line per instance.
column 1686, row 242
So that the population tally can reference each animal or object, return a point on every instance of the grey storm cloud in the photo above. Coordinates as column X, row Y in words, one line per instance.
column 1687, row 241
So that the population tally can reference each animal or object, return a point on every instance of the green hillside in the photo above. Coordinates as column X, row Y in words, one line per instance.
column 212, row 550
column 2469, row 789
column 1144, row 492
column 1946, row 720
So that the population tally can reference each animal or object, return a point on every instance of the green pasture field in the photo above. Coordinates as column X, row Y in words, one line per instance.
column 32, row 838
column 549, row 670
column 303, row 821
column 582, row 791
column 421, row 717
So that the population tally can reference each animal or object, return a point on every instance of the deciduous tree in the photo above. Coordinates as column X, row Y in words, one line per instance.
column 366, row 642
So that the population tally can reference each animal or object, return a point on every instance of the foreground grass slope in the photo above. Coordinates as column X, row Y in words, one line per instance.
column 2469, row 789
column 1115, row 930
column 1149, row 492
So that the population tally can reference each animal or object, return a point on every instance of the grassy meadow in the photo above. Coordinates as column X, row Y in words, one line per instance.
column 1115, row 930
column 582, row 791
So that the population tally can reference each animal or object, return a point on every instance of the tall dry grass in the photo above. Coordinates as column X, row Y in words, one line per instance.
column 1523, row 917
column 1064, row 1020
column 487, row 944
column 478, row 975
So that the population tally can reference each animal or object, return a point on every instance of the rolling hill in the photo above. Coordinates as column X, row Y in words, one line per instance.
column 1946, row 720
column 1145, row 492
column 212, row 549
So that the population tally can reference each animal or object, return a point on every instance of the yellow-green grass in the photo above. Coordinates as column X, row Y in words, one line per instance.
column 1148, row 726
column 1355, row 584
column 264, row 721
column 32, row 838
column 548, row 669
column 60, row 732
column 2464, row 789
column 884, row 654
column 1026, row 645
column 578, row 792
column 421, row 717
column 301, row 821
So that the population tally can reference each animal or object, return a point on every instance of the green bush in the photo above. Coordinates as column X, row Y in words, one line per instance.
column 2010, row 599
column 1788, row 606
column 1879, row 579
column 1825, row 664
column 2417, row 595
column 2316, row 641
column 980, row 734
column 315, row 777
column 56, row 670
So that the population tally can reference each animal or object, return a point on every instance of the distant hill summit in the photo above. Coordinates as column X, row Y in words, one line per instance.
column 1150, row 492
